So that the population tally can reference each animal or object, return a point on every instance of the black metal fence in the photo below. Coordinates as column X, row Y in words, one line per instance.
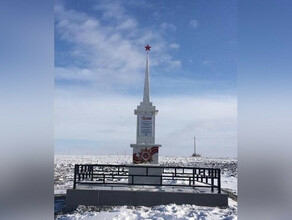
column 103, row 174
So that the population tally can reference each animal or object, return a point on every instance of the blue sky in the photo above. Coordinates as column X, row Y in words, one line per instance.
column 99, row 70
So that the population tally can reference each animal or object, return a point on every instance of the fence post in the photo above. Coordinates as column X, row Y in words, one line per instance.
column 212, row 180
column 219, row 181
column 91, row 172
column 86, row 171
column 75, row 173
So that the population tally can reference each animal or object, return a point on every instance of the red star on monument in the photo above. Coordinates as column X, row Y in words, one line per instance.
column 147, row 47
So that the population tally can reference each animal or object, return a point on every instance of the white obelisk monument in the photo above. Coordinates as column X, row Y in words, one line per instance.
column 145, row 151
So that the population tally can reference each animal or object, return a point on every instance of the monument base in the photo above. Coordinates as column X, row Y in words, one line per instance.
column 145, row 154
column 154, row 178
column 103, row 196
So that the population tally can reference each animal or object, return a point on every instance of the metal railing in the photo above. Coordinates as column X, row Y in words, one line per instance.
column 175, row 176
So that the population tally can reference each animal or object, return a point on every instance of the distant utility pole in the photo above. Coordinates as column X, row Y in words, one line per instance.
column 195, row 147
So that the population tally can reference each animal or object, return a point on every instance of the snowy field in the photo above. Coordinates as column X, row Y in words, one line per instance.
column 64, row 167
column 162, row 212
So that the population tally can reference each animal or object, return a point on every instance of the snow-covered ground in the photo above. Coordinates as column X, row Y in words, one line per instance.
column 169, row 212
column 64, row 169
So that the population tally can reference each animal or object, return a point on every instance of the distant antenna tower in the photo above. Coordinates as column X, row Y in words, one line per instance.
column 195, row 149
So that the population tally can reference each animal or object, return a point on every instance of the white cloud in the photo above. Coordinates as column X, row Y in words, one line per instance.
column 73, row 74
column 109, row 53
column 128, row 24
column 168, row 26
column 175, row 64
column 174, row 46
column 109, row 121
column 112, row 10
column 206, row 62
column 194, row 23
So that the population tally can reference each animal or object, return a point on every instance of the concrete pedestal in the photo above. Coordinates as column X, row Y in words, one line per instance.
column 103, row 197
column 145, row 180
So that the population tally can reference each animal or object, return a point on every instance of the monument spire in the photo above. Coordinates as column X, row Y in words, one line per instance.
column 146, row 94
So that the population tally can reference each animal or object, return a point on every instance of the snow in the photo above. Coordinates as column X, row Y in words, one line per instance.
column 64, row 169
column 169, row 212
